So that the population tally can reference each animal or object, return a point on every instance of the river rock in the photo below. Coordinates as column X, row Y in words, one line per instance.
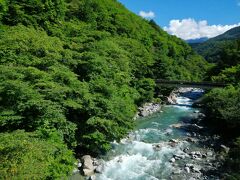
column 216, row 137
column 87, row 165
column 174, row 140
column 186, row 149
column 172, row 99
column 193, row 168
column 201, row 115
column 148, row 109
column 192, row 140
column 194, row 127
column 191, row 178
column 196, row 154
column 204, row 155
column 210, row 164
column 143, row 113
column 225, row 148
column 179, row 125
column 172, row 160
column 88, row 172
column 99, row 169
column 157, row 147
column 189, row 165
column 179, row 156
column 196, row 169
column 93, row 177
column 120, row 160
column 79, row 165
column 187, row 169
column 209, row 153
column 177, row 171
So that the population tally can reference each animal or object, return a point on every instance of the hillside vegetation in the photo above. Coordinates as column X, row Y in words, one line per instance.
column 211, row 49
column 223, row 105
column 72, row 75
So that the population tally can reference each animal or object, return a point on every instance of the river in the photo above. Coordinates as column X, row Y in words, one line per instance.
column 159, row 149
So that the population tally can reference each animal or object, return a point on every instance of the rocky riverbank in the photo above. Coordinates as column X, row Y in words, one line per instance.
column 88, row 167
column 193, row 154
column 148, row 109
column 151, row 108
column 185, row 92
column 191, row 162
column 196, row 163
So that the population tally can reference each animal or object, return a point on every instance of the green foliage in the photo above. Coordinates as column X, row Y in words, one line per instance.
column 232, row 163
column 80, row 68
column 211, row 50
column 229, row 75
column 146, row 88
column 226, row 57
column 223, row 107
column 26, row 156
column 223, row 113
column 34, row 12
column 101, row 131
column 3, row 8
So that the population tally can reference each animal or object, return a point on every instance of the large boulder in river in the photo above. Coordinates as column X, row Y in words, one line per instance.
column 187, row 169
column 178, row 125
column 99, row 168
column 157, row 147
column 93, row 177
column 172, row 160
column 87, row 165
column 172, row 99
column 148, row 109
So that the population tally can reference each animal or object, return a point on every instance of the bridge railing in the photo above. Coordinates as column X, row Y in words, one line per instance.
column 203, row 83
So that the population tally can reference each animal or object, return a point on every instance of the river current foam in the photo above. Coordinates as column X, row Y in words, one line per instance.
column 146, row 153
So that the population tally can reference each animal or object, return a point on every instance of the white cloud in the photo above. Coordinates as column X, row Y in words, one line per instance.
column 145, row 14
column 191, row 29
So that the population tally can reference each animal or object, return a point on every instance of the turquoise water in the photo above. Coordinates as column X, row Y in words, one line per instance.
column 136, row 158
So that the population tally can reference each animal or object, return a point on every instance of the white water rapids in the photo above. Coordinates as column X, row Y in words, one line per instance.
column 137, row 158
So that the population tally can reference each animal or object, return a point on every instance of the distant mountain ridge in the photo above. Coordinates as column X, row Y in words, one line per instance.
column 211, row 48
column 199, row 40
column 233, row 33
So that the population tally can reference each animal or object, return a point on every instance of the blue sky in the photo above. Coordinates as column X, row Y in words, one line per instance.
column 200, row 17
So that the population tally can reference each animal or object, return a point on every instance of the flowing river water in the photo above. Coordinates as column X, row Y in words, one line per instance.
column 159, row 149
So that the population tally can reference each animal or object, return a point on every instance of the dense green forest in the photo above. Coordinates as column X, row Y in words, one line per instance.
column 223, row 105
column 73, row 73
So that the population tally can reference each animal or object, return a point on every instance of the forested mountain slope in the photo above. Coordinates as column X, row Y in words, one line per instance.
column 212, row 48
column 72, row 75
column 231, row 34
column 222, row 105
